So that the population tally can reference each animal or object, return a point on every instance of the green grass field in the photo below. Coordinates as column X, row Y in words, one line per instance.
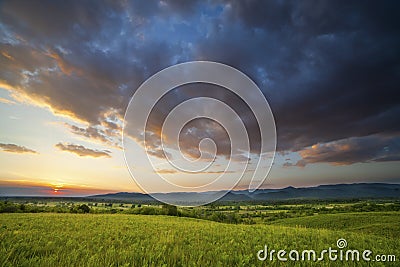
column 138, row 240
column 380, row 224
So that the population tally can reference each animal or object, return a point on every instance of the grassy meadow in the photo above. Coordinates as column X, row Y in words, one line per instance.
column 55, row 239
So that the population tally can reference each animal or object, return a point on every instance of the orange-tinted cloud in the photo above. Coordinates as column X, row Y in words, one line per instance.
column 218, row 172
column 8, row 56
column 6, row 101
column 166, row 171
column 64, row 66
column 171, row 171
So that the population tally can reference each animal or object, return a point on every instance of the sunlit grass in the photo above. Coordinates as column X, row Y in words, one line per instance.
column 135, row 240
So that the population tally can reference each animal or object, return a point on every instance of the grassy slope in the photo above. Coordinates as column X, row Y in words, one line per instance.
column 134, row 240
column 383, row 224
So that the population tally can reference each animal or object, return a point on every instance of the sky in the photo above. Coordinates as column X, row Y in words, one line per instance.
column 330, row 71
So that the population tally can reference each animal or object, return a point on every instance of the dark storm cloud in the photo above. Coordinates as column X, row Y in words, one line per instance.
column 352, row 150
column 81, row 59
column 196, row 130
column 329, row 69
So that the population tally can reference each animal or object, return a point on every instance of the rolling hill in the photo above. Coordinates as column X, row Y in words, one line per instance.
column 321, row 192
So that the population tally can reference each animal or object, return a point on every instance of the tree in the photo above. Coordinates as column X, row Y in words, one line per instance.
column 84, row 208
column 170, row 210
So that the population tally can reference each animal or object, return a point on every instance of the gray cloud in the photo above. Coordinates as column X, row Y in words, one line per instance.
column 13, row 148
column 89, row 132
column 110, row 134
column 83, row 151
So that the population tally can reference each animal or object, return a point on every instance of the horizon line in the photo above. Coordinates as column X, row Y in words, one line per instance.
column 60, row 195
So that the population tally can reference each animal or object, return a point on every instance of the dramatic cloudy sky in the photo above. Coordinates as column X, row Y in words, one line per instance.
column 330, row 71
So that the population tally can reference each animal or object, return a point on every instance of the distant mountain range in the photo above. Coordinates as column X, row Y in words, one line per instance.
column 321, row 192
